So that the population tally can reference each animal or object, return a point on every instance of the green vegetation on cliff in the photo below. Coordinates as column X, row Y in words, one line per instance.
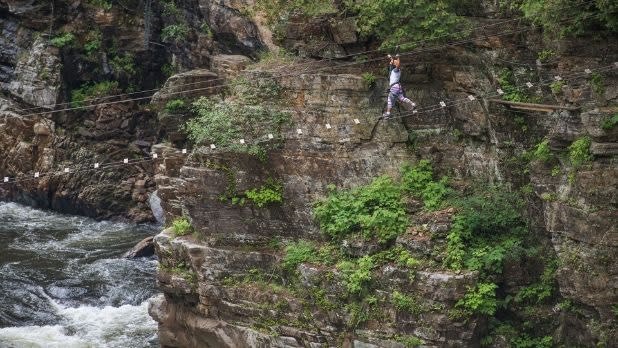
column 411, row 23
column 62, row 40
column 267, row 194
column 393, row 22
column 181, row 226
column 250, row 114
column 568, row 17
column 374, row 211
column 81, row 96
column 397, row 22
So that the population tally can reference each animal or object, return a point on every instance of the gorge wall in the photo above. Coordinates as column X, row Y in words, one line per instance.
column 96, row 64
column 225, row 284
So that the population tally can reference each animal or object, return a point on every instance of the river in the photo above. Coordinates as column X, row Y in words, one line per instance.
column 63, row 282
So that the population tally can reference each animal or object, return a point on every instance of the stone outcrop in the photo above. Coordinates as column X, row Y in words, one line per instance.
column 117, row 45
column 144, row 248
column 203, row 305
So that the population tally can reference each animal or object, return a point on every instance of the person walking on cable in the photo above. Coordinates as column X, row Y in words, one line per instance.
column 395, row 91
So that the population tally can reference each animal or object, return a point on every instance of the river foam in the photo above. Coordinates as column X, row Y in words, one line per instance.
column 87, row 326
column 64, row 283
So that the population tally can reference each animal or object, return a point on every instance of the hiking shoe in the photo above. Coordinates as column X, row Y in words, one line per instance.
column 386, row 115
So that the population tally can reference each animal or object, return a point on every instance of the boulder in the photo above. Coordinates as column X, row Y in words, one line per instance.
column 37, row 75
column 144, row 248
column 190, row 84
column 228, row 66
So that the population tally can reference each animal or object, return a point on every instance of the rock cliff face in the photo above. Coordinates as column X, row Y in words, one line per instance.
column 51, row 53
column 222, row 285
column 213, row 297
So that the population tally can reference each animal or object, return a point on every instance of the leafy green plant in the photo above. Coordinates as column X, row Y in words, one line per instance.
column 270, row 193
column 175, row 33
column 205, row 28
column 62, row 40
column 489, row 259
column 542, row 152
column 549, row 197
column 480, row 300
column 490, row 217
column 540, row 291
column 357, row 274
column 224, row 123
column 398, row 255
column 546, row 55
column 579, row 151
column 93, row 43
column 418, row 180
column 170, row 10
column 512, row 92
column 410, row 341
column 181, row 226
column 176, row 106
column 597, row 82
column 589, row 16
column 405, row 303
column 123, row 64
column 610, row 122
column 369, row 79
column 526, row 341
column 168, row 69
column 397, row 21
column 556, row 87
column 297, row 253
column 375, row 210
column 80, row 96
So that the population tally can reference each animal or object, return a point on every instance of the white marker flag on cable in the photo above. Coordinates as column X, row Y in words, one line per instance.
column 125, row 161
column 6, row 179
column 213, row 146
column 36, row 175
column 500, row 91
column 96, row 166
column 529, row 84
column 154, row 155
column 242, row 141
column 184, row 151
column 299, row 131
column 328, row 126
column 471, row 97
column 270, row 136
column 66, row 170
column 442, row 104
column 357, row 121
column 588, row 71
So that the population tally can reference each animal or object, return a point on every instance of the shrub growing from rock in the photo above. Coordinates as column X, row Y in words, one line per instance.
column 181, row 226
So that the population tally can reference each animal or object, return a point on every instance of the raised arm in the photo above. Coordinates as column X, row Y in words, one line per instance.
column 394, row 62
